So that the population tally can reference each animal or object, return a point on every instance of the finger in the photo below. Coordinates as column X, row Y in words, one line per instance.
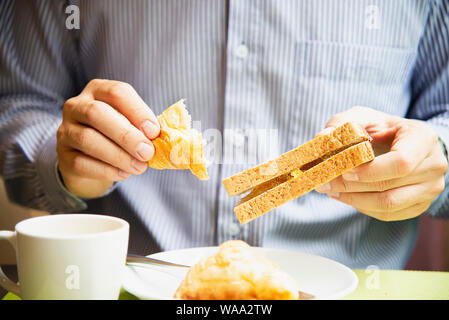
column 407, row 213
column 391, row 165
column 116, row 127
column 402, row 159
column 430, row 169
column 382, row 132
column 341, row 185
column 82, row 165
column 124, row 99
column 93, row 143
column 390, row 200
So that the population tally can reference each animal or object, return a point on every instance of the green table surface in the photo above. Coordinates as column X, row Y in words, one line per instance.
column 379, row 285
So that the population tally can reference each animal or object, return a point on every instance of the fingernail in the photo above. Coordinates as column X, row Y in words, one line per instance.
column 145, row 151
column 150, row 129
column 138, row 165
column 124, row 174
column 350, row 176
column 334, row 194
column 325, row 187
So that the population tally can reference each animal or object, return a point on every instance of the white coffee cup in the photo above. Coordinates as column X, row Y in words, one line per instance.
column 68, row 256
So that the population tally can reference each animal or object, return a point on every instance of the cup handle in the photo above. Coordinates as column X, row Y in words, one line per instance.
column 5, row 282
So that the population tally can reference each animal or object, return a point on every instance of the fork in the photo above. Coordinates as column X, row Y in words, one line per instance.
column 135, row 258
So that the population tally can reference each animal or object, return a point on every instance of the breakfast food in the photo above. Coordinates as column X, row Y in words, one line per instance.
column 299, row 171
column 237, row 272
column 179, row 146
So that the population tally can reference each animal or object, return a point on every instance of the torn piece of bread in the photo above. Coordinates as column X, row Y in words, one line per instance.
column 237, row 272
column 179, row 146
column 348, row 134
column 297, row 185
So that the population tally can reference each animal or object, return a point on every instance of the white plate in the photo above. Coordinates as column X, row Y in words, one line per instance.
column 321, row 277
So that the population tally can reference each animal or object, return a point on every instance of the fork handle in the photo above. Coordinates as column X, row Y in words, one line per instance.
column 135, row 258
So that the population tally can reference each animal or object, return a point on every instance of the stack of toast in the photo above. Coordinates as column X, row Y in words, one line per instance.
column 299, row 171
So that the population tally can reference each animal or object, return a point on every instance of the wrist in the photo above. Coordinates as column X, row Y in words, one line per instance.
column 84, row 188
column 60, row 199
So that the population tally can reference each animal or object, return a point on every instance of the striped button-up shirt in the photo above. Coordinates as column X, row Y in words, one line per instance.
column 274, row 70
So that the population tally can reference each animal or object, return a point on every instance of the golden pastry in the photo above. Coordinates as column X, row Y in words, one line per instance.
column 178, row 145
column 237, row 272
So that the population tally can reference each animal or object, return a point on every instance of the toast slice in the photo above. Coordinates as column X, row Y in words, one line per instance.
column 346, row 135
column 271, row 195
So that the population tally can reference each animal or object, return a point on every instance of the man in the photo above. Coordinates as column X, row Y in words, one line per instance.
column 78, row 105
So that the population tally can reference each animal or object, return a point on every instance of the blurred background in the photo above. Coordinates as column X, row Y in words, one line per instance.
column 431, row 252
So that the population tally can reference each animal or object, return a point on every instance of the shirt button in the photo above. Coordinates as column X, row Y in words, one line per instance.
column 234, row 229
column 241, row 51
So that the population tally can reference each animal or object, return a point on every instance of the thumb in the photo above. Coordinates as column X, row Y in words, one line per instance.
column 383, row 132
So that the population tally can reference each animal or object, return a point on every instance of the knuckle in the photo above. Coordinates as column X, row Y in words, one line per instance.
column 93, row 111
column 94, row 83
column 68, row 106
column 106, row 171
column 126, row 137
column 119, row 90
column 124, row 160
column 60, row 133
column 440, row 186
column 368, row 172
column 403, row 165
column 387, row 202
column 348, row 198
column 83, row 136
column 439, row 167
column 109, row 172
column 60, row 152
column 382, row 185
column 345, row 186
column 442, row 166
column 78, row 164
column 70, row 103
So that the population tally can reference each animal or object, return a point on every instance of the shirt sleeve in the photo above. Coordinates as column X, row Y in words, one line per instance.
column 38, row 72
column 430, row 86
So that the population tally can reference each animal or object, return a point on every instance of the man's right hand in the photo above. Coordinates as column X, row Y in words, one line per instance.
column 105, row 136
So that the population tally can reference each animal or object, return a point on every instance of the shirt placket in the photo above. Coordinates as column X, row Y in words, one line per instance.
column 241, row 72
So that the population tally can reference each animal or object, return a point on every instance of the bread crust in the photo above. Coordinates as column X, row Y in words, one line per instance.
column 347, row 134
column 314, row 177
